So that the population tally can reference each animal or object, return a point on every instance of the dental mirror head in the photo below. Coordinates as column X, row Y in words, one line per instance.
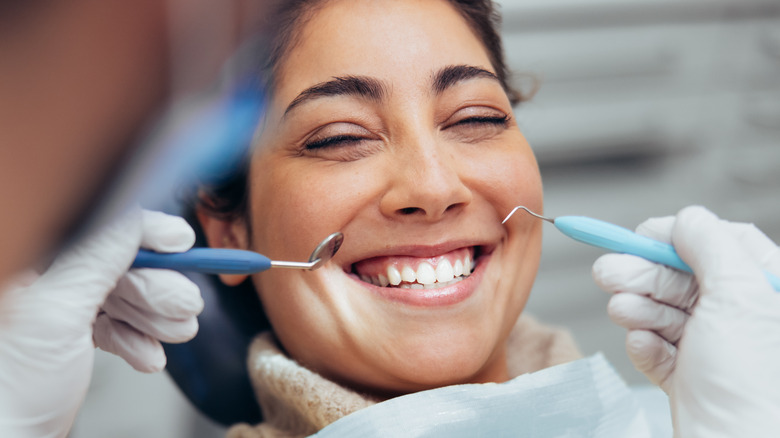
column 321, row 254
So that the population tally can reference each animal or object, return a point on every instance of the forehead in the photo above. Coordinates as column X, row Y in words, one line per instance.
column 401, row 42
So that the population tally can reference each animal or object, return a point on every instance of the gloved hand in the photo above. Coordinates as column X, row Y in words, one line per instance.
column 87, row 298
column 712, row 341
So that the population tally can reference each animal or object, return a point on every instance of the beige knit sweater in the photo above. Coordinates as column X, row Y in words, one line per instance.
column 297, row 402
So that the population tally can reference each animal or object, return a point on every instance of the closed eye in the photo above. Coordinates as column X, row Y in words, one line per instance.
column 336, row 140
column 341, row 141
column 477, row 126
column 492, row 120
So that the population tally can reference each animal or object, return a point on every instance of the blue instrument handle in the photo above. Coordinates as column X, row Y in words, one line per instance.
column 618, row 239
column 205, row 260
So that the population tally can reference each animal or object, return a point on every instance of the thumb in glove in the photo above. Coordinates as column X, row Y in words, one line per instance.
column 725, row 381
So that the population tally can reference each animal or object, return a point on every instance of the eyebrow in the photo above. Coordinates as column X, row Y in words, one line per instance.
column 359, row 86
column 373, row 89
column 452, row 74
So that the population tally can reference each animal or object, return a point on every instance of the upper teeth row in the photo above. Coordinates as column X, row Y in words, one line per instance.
column 425, row 273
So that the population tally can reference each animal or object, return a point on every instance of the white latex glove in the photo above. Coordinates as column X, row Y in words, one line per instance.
column 49, row 329
column 711, row 342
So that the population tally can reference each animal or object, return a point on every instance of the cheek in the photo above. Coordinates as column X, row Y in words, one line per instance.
column 296, row 203
column 507, row 176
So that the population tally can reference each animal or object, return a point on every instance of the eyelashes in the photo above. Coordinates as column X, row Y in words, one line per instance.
column 489, row 120
column 336, row 140
column 351, row 146
column 477, row 128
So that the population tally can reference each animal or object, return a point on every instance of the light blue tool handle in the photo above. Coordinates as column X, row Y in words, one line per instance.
column 205, row 260
column 615, row 238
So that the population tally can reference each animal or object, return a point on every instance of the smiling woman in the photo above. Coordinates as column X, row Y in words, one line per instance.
column 390, row 121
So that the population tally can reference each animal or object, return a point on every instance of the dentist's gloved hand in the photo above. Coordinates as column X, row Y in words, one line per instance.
column 50, row 326
column 712, row 341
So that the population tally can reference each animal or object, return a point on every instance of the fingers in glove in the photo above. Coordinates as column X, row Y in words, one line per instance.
column 141, row 351
column 166, row 233
column 652, row 356
column 167, row 293
column 150, row 323
column 721, row 264
column 636, row 312
column 165, row 321
column 627, row 273
column 657, row 228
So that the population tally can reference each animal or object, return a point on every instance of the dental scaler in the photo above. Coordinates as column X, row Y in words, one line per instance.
column 618, row 239
column 233, row 261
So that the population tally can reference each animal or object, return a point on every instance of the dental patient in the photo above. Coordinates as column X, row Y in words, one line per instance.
column 392, row 122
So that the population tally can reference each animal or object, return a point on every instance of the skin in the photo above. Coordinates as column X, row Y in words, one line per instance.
column 80, row 82
column 415, row 179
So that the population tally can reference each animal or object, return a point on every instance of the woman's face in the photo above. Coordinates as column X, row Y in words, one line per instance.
column 388, row 124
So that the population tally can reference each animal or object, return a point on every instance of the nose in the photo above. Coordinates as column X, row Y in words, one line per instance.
column 426, row 183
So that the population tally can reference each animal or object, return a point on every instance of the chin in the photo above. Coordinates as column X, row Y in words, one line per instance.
column 435, row 361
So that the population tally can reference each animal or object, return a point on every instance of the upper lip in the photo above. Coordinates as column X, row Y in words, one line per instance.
column 419, row 250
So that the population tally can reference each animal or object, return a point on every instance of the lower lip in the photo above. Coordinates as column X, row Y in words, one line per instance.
column 437, row 297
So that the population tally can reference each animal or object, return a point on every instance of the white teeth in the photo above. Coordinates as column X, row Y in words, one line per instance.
column 393, row 276
column 408, row 275
column 457, row 270
column 444, row 271
column 426, row 274
column 445, row 274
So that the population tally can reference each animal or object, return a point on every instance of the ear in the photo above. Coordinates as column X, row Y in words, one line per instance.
column 223, row 233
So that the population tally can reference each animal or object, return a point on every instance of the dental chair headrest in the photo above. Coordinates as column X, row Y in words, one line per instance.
column 211, row 369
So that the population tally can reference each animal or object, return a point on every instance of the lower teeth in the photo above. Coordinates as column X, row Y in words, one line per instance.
column 429, row 286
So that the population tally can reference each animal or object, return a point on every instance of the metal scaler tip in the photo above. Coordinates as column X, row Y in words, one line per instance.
column 520, row 207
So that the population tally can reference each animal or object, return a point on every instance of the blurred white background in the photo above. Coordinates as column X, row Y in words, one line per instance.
column 645, row 106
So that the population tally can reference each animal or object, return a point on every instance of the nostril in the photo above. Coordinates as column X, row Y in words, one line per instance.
column 453, row 207
column 409, row 210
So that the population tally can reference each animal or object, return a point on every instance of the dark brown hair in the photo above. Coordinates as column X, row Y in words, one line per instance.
column 481, row 15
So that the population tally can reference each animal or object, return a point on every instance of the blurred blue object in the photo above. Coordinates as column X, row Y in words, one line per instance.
column 205, row 141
